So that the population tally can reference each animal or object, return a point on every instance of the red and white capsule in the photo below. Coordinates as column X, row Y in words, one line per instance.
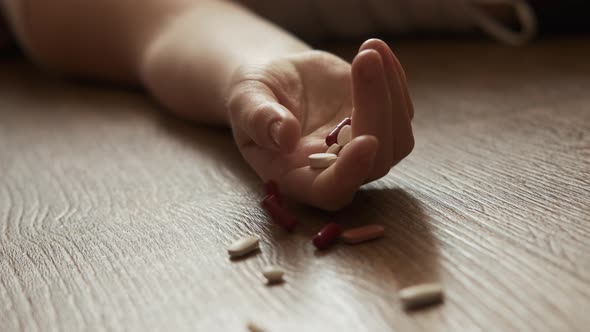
column 327, row 236
column 333, row 135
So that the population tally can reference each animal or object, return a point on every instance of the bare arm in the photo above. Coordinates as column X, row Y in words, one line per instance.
column 215, row 62
column 183, row 51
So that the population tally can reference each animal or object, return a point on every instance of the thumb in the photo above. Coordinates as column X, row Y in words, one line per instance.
column 256, row 115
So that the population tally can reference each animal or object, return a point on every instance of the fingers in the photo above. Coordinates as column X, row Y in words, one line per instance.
column 256, row 115
column 334, row 187
column 401, row 106
column 372, row 106
column 393, row 69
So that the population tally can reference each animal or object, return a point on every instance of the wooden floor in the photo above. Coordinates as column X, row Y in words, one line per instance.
column 115, row 216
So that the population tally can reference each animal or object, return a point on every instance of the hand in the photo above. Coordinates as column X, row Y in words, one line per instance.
column 281, row 112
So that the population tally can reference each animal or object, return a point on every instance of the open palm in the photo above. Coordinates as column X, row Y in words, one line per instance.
column 282, row 111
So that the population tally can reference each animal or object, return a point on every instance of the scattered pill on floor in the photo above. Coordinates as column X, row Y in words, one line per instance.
column 334, row 148
column 322, row 160
column 252, row 327
column 273, row 274
column 344, row 136
column 327, row 236
column 421, row 295
column 362, row 234
column 279, row 214
column 333, row 135
column 243, row 246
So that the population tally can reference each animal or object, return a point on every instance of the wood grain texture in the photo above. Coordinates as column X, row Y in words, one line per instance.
column 116, row 217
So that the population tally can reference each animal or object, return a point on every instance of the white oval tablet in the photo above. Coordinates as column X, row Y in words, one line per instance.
column 243, row 246
column 345, row 135
column 334, row 148
column 321, row 160
column 420, row 295
column 273, row 273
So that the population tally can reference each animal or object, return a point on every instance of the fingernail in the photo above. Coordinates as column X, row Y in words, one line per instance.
column 274, row 132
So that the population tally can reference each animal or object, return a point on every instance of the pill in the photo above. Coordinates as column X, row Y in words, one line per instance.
column 243, row 246
column 278, row 214
column 333, row 135
column 334, row 148
column 362, row 234
column 344, row 135
column 252, row 327
column 272, row 188
column 273, row 274
column 421, row 295
column 327, row 236
column 322, row 160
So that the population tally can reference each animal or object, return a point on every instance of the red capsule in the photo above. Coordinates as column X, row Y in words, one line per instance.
column 278, row 214
column 333, row 136
column 272, row 188
column 327, row 236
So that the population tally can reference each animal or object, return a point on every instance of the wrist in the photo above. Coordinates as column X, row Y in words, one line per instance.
column 189, row 69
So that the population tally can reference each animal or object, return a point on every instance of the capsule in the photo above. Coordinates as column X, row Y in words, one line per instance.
column 362, row 234
column 278, row 214
column 243, row 246
column 333, row 135
column 272, row 188
column 421, row 295
column 327, row 236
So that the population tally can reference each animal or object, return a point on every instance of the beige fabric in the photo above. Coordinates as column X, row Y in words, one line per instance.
column 350, row 18
column 360, row 18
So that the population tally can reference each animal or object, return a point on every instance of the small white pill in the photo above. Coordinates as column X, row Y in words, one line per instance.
column 334, row 148
column 243, row 246
column 273, row 274
column 345, row 135
column 322, row 160
column 421, row 295
column 254, row 328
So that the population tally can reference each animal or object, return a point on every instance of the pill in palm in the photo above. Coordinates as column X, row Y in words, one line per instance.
column 345, row 135
column 273, row 274
column 327, row 236
column 279, row 214
column 333, row 135
column 243, row 246
column 321, row 160
column 362, row 234
column 334, row 148
column 421, row 295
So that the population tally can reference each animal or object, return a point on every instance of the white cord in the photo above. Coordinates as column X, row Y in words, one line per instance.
column 524, row 13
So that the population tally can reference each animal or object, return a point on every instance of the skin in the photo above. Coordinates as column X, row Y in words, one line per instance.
column 212, row 62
